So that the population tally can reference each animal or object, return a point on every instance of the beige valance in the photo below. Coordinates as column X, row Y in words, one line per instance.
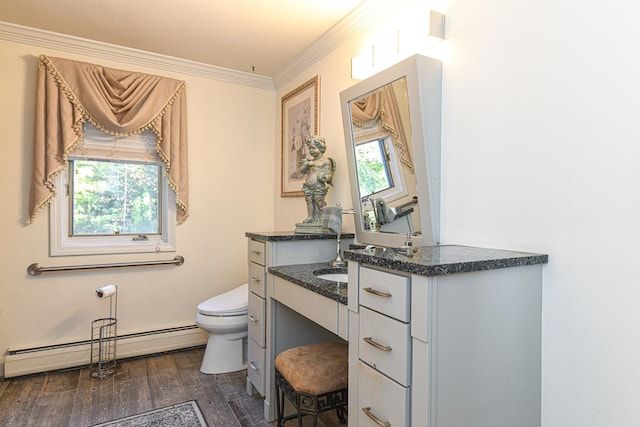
column 120, row 103
column 380, row 107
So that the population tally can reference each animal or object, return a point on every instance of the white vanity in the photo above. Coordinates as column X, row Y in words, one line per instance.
column 276, row 304
column 448, row 336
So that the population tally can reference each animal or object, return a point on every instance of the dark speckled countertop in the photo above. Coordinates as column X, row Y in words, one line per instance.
column 425, row 261
column 279, row 236
column 446, row 259
column 302, row 275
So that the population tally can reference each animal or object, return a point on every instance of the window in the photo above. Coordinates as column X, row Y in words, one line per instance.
column 115, row 198
column 373, row 168
column 379, row 170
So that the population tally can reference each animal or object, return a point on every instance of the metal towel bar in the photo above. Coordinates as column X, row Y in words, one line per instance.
column 36, row 269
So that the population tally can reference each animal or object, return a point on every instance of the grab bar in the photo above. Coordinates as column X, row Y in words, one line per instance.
column 35, row 269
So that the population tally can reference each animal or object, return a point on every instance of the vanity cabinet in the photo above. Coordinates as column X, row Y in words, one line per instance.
column 440, row 343
column 271, row 249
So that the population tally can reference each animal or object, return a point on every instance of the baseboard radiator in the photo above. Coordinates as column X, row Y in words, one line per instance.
column 34, row 360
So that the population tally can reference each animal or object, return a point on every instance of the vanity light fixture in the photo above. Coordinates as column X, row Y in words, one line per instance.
column 394, row 44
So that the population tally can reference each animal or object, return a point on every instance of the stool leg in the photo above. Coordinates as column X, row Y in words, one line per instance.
column 340, row 412
column 279, row 406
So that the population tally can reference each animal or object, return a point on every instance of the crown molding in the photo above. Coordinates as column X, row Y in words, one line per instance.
column 47, row 39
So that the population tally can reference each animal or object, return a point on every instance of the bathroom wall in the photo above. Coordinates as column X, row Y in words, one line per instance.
column 540, row 153
column 231, row 157
column 335, row 75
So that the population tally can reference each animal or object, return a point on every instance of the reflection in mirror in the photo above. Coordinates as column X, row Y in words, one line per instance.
column 384, row 168
column 393, row 153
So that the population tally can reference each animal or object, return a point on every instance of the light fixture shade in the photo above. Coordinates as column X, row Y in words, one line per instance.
column 436, row 24
column 408, row 33
column 362, row 64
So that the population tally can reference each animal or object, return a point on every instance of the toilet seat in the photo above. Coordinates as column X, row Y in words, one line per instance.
column 231, row 303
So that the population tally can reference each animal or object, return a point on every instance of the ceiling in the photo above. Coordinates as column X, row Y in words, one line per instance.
column 259, row 36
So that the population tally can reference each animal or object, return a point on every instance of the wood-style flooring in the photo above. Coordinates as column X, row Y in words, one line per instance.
column 73, row 398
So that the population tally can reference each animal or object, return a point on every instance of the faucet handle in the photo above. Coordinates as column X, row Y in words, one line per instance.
column 408, row 242
column 406, row 249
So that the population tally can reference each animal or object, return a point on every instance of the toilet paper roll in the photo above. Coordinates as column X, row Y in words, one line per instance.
column 106, row 291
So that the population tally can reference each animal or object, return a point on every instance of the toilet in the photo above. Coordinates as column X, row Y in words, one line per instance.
column 224, row 317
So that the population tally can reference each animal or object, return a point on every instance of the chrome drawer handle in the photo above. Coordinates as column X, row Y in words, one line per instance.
column 254, row 279
column 375, row 419
column 253, row 319
column 377, row 292
column 253, row 366
column 377, row 345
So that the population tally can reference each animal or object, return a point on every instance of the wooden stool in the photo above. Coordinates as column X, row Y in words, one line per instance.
column 314, row 378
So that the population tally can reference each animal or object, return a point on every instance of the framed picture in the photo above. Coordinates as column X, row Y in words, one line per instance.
column 299, row 122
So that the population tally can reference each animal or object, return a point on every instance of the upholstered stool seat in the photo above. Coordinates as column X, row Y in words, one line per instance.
column 314, row 378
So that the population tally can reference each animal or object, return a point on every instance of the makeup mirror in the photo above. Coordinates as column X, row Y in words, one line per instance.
column 392, row 134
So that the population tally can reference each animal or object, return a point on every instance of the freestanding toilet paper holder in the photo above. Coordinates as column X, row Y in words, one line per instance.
column 104, row 333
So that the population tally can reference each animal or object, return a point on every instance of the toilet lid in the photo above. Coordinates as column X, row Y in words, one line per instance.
column 233, row 301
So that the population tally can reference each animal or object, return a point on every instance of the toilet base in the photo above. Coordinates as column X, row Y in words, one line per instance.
column 223, row 355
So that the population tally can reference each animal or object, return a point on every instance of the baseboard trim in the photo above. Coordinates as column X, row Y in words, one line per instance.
column 19, row 362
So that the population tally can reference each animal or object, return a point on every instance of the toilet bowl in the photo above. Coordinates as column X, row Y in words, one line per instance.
column 225, row 318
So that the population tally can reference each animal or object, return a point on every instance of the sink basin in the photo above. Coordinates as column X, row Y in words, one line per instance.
column 332, row 274
column 334, row 277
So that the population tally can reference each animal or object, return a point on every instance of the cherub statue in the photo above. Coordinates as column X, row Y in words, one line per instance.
column 319, row 171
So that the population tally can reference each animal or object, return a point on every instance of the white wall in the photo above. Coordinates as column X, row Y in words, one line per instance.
column 541, row 148
column 230, row 132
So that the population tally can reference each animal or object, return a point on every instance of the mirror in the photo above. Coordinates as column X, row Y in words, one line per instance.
column 392, row 135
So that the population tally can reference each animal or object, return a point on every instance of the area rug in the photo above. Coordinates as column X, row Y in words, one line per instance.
column 185, row 414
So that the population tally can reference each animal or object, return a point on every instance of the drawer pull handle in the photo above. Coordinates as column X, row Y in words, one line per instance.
column 253, row 366
column 377, row 292
column 254, row 279
column 375, row 419
column 253, row 319
column 257, row 252
column 377, row 345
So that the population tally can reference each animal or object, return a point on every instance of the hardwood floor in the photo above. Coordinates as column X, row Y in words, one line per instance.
column 73, row 398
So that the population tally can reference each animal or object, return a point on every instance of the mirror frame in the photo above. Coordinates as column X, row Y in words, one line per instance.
column 424, row 90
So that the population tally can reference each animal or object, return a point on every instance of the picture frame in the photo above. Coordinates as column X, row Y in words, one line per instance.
column 299, row 121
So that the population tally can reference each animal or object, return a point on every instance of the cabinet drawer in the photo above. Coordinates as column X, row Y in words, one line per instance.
column 257, row 282
column 385, row 344
column 256, row 319
column 380, row 400
column 386, row 293
column 313, row 306
column 255, row 365
column 257, row 252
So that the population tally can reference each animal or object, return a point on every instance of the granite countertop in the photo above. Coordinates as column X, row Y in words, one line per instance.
column 425, row 261
column 302, row 275
column 272, row 236
column 446, row 259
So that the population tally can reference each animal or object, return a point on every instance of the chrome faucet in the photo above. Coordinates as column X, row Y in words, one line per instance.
column 338, row 262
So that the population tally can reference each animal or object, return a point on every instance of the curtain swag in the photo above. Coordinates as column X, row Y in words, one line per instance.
column 381, row 107
column 120, row 103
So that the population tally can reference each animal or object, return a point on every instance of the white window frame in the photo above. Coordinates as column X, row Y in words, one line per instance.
column 399, row 189
column 99, row 145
